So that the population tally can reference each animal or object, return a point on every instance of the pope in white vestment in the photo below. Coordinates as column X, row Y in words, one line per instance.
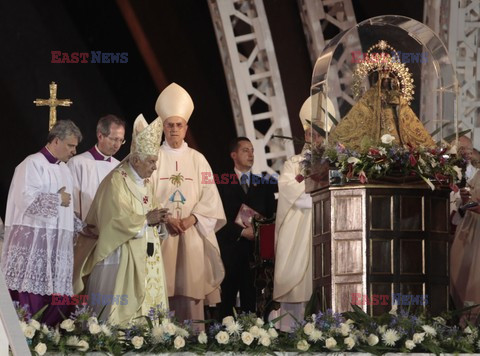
column 123, row 278
column 293, row 232
column 37, row 256
column 191, row 254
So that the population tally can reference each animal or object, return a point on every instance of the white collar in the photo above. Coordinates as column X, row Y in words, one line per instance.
column 138, row 180
column 181, row 149
column 104, row 157
column 239, row 174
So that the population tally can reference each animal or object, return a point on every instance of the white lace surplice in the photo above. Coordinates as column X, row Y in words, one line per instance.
column 37, row 255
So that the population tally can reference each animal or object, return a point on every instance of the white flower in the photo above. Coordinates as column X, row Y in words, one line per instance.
column 418, row 337
column 247, row 338
column 429, row 330
column 303, row 345
column 23, row 325
column 181, row 332
column 344, row 329
column 68, row 325
column 393, row 311
column 409, row 344
column 29, row 332
column 315, row 335
column 308, row 328
column 234, row 328
column 157, row 333
column 439, row 319
column 202, row 338
column 458, row 170
column 353, row 160
column 272, row 333
column 330, row 343
column 467, row 330
column 170, row 328
column 382, row 150
column 72, row 341
column 106, row 330
column 35, row 324
column 92, row 320
column 222, row 337
column 41, row 348
column 56, row 337
column 137, row 341
column 83, row 345
column 179, row 342
column 228, row 320
column 45, row 329
column 387, row 139
column 349, row 321
column 381, row 329
column 254, row 330
column 259, row 322
column 265, row 340
column 390, row 337
column 94, row 329
column 372, row 339
column 349, row 342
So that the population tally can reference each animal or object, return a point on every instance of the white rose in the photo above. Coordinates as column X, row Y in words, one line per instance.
column 349, row 342
column 94, row 329
column 35, row 324
column 202, row 338
column 41, row 348
column 409, row 344
column 170, row 329
column 308, row 328
column 179, row 342
column 222, row 337
column 372, row 339
column 265, row 341
column 259, row 322
column 418, row 337
column 137, row 341
column 92, row 320
column 82, row 345
column 247, row 338
column 262, row 332
column 387, row 139
column 344, row 329
column 272, row 333
column 29, row 332
column 330, row 343
column 228, row 320
column 68, row 325
column 303, row 345
column 254, row 330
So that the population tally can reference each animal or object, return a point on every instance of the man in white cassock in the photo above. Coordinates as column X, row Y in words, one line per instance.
column 37, row 256
column 293, row 229
column 191, row 254
column 124, row 267
column 90, row 167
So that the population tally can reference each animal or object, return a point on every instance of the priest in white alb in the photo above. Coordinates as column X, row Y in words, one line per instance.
column 191, row 254
column 90, row 167
column 123, row 272
column 293, row 229
column 37, row 255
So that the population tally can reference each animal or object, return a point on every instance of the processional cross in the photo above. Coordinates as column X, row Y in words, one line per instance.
column 53, row 102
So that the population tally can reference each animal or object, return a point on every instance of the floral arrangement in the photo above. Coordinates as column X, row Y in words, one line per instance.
column 396, row 331
column 386, row 159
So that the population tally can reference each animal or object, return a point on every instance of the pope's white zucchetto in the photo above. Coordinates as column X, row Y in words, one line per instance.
column 174, row 101
column 313, row 110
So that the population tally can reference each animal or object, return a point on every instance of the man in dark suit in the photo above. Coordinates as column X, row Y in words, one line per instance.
column 236, row 242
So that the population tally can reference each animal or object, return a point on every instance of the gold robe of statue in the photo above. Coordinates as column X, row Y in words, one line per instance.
column 381, row 111
column 118, row 214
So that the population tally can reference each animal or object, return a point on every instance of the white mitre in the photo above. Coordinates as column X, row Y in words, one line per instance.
column 146, row 138
column 313, row 110
column 174, row 101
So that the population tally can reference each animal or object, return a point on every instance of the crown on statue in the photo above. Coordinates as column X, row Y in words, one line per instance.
column 385, row 60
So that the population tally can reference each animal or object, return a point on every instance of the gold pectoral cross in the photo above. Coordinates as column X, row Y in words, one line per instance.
column 53, row 102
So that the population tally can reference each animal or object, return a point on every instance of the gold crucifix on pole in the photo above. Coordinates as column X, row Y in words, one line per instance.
column 53, row 102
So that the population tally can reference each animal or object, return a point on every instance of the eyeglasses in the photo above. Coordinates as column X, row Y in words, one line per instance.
column 117, row 140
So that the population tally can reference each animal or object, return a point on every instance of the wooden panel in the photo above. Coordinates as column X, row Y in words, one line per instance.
column 326, row 216
column 381, row 289
column 440, row 211
column 440, row 258
column 381, row 213
column 343, row 295
column 327, row 259
column 412, row 217
column 317, row 215
column 381, row 259
column 412, row 254
column 348, row 257
column 348, row 213
column 317, row 261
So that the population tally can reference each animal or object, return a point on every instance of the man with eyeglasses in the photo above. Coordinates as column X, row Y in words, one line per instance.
column 90, row 167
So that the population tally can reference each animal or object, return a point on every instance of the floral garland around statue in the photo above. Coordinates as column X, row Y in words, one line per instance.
column 388, row 160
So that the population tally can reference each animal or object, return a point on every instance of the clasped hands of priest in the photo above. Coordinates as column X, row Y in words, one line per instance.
column 157, row 216
column 177, row 226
